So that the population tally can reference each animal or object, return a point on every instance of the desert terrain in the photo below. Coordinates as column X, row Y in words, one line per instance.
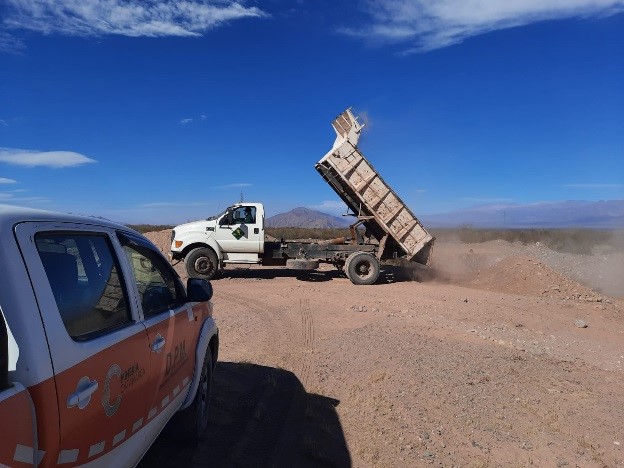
column 500, row 354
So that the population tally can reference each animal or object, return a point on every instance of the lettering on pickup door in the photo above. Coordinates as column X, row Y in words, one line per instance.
column 175, row 359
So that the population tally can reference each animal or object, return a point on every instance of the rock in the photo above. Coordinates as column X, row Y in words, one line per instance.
column 561, row 463
column 580, row 323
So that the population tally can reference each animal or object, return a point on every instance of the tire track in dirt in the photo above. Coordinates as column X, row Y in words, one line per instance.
column 278, row 348
column 307, row 331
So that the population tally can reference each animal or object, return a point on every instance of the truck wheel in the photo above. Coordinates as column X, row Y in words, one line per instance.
column 202, row 263
column 362, row 268
column 191, row 422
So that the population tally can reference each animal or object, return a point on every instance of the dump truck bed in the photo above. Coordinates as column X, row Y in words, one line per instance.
column 357, row 183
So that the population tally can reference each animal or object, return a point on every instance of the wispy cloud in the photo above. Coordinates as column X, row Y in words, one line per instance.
column 10, row 43
column 486, row 200
column 425, row 25
column 134, row 18
column 594, row 186
column 235, row 185
column 4, row 180
column 3, row 122
column 330, row 206
column 186, row 121
column 173, row 204
column 10, row 199
column 33, row 158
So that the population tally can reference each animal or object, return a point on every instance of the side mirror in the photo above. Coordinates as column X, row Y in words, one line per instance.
column 198, row 290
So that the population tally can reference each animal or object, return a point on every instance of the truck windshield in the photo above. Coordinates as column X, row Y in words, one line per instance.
column 212, row 218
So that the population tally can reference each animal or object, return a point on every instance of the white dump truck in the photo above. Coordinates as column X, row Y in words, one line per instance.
column 384, row 228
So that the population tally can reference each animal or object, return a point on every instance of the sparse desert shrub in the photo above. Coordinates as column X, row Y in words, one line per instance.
column 290, row 233
column 143, row 228
column 572, row 240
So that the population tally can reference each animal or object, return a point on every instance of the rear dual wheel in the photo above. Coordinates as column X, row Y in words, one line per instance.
column 362, row 268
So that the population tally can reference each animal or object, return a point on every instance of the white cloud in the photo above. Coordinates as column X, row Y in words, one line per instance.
column 185, row 121
column 173, row 204
column 10, row 198
column 487, row 200
column 426, row 25
column 134, row 18
column 4, row 180
column 594, row 186
column 330, row 206
column 2, row 122
column 32, row 158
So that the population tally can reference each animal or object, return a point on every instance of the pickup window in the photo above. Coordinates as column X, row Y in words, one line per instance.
column 157, row 283
column 84, row 276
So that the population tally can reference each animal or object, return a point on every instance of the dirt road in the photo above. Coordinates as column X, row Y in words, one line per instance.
column 501, row 361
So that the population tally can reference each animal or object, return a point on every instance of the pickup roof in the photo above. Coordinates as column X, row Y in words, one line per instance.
column 100, row 343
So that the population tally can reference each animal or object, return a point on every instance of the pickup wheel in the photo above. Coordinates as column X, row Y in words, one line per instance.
column 191, row 422
column 202, row 263
column 362, row 268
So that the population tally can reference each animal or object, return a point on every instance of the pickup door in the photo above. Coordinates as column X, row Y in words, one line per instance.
column 98, row 344
column 17, row 445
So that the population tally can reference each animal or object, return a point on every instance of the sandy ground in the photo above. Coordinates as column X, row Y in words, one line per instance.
column 497, row 356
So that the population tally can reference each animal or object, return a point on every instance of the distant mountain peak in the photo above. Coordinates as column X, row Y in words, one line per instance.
column 306, row 218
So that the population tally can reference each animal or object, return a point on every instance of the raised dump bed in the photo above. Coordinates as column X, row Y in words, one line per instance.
column 376, row 205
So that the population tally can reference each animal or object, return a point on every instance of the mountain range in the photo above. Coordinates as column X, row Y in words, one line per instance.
column 560, row 214
column 307, row 218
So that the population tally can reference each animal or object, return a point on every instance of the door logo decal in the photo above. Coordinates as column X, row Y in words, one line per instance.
column 127, row 379
column 238, row 233
column 109, row 409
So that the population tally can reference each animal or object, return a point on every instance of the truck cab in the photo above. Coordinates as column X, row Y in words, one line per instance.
column 235, row 235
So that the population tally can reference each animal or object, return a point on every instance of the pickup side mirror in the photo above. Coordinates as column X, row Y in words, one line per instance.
column 198, row 290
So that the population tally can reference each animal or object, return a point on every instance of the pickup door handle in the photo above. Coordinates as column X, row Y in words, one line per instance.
column 82, row 396
column 158, row 344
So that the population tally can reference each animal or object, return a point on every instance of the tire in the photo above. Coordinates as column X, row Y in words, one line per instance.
column 202, row 263
column 362, row 268
column 191, row 423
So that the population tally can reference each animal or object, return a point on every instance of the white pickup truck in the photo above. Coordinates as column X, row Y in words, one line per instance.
column 390, row 231
column 100, row 343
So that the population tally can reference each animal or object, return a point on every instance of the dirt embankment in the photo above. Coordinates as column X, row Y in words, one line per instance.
column 504, row 359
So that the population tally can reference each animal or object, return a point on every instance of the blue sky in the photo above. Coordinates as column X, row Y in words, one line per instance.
column 163, row 112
